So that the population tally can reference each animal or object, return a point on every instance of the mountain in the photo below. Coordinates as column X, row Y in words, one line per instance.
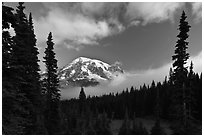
column 87, row 72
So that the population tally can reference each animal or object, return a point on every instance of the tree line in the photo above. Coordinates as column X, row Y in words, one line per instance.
column 156, row 100
column 31, row 105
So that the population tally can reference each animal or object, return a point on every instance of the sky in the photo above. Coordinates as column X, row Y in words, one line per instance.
column 142, row 36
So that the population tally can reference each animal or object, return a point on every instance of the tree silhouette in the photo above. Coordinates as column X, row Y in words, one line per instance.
column 181, row 56
column 51, row 83
column 25, row 71
column 180, row 71
column 35, row 92
column 82, row 95
column 11, row 117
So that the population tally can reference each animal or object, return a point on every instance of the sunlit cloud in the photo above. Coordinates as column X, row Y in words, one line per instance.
column 154, row 12
column 137, row 78
column 74, row 27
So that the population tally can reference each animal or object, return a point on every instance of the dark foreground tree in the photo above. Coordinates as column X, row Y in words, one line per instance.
column 180, row 71
column 25, row 77
column 35, row 92
column 51, row 83
column 19, row 65
column 11, row 119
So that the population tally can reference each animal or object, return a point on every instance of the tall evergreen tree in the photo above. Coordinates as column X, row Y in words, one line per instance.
column 181, row 56
column 180, row 71
column 51, row 82
column 35, row 93
column 25, row 72
column 11, row 105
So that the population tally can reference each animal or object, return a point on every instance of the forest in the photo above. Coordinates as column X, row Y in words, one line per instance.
column 32, row 106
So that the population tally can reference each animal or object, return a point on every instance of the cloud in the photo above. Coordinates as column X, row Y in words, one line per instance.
column 72, row 28
column 75, row 25
column 118, row 80
column 197, row 11
column 197, row 62
column 134, row 23
column 93, row 8
column 103, row 9
column 74, row 47
column 152, row 12
column 76, row 28
column 138, row 78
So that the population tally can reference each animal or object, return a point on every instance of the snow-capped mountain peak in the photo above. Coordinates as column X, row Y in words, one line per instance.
column 84, row 71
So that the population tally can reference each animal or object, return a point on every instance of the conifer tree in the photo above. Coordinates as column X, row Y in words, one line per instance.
column 170, row 76
column 190, row 94
column 180, row 71
column 25, row 72
column 82, row 101
column 35, row 96
column 51, row 83
column 82, row 95
column 11, row 105
column 181, row 56
column 8, row 20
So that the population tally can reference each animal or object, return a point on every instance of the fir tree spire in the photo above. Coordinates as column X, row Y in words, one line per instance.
column 51, row 83
column 181, row 56
column 82, row 95
column 180, row 70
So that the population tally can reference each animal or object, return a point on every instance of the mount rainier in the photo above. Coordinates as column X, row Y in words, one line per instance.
column 87, row 72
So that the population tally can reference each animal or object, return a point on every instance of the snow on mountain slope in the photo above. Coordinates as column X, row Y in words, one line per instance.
column 87, row 72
